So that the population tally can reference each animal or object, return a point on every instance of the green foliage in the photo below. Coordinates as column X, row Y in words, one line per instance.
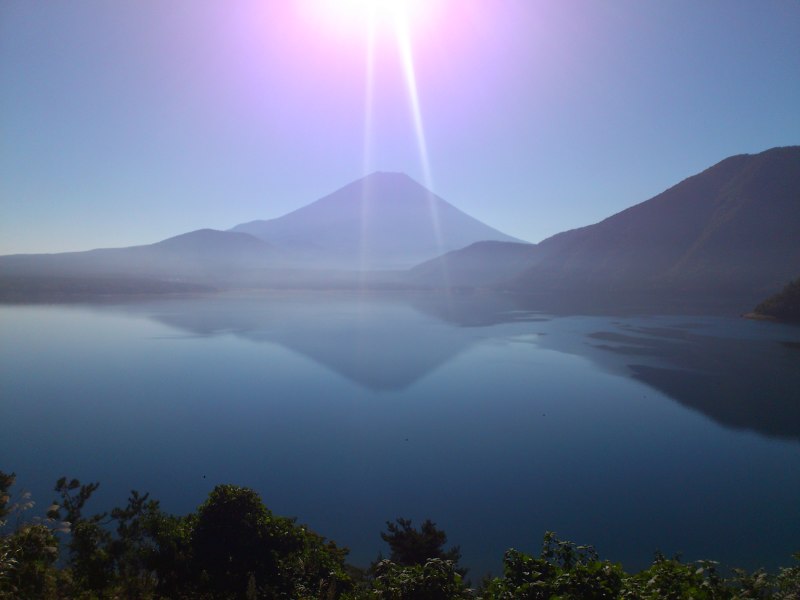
column 318, row 570
column 435, row 579
column 8, row 558
column 788, row 582
column 564, row 570
column 29, row 552
column 233, row 547
column 235, row 536
column 133, row 550
column 230, row 538
column 752, row 586
column 6, row 482
column 410, row 546
column 36, row 550
column 167, row 552
column 90, row 561
column 672, row 579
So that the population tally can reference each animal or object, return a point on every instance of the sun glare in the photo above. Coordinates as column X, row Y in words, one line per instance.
column 350, row 15
column 377, row 20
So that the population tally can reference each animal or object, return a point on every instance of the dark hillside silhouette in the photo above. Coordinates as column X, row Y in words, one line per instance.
column 784, row 306
column 731, row 228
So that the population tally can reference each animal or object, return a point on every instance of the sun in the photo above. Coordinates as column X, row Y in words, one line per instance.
column 390, row 12
column 354, row 16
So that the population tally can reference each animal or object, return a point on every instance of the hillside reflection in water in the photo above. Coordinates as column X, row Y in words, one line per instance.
column 741, row 374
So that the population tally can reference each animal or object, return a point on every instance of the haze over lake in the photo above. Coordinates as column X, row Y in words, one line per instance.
column 498, row 421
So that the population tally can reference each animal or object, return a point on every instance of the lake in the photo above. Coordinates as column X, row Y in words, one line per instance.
column 634, row 433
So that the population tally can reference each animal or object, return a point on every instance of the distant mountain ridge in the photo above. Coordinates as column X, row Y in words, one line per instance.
column 731, row 232
column 382, row 221
column 200, row 256
column 735, row 225
column 731, row 229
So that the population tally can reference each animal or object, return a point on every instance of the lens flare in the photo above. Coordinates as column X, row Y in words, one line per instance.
column 376, row 20
column 407, row 57
column 350, row 15
column 409, row 72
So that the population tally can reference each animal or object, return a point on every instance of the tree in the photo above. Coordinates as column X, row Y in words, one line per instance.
column 410, row 546
column 240, row 547
column 89, row 559
column 99, row 560
column 234, row 538
column 28, row 552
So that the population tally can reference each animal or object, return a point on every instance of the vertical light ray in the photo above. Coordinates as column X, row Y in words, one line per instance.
column 407, row 58
column 369, row 90
column 369, row 100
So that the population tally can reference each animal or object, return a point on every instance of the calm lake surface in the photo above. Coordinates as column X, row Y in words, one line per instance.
column 632, row 433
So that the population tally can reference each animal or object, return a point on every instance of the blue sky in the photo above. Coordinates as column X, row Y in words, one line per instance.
column 128, row 122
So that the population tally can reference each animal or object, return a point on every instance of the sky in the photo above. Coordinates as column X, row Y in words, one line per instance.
column 128, row 122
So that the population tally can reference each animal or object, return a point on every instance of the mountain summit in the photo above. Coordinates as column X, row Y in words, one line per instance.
column 734, row 227
column 384, row 220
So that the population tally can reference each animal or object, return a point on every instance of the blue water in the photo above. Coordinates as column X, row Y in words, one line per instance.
column 634, row 434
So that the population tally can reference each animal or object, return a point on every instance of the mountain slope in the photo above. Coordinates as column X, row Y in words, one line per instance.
column 728, row 232
column 479, row 264
column 198, row 256
column 733, row 227
column 385, row 220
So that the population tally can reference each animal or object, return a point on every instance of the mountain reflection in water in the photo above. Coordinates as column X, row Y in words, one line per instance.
column 742, row 374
